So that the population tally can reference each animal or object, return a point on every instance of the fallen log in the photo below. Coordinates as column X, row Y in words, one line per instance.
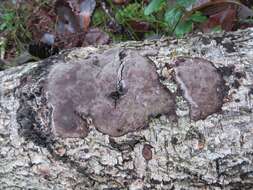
column 166, row 114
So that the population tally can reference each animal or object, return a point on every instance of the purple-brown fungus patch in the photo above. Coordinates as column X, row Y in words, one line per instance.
column 147, row 152
column 117, row 91
column 201, row 84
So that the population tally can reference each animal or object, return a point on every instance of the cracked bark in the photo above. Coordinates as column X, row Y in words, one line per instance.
column 171, row 153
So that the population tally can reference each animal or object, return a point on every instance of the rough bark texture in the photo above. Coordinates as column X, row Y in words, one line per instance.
column 175, row 151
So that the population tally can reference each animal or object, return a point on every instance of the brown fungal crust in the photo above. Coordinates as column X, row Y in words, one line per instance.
column 202, row 86
column 119, row 91
column 147, row 152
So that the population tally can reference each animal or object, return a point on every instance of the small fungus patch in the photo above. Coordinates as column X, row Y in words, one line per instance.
column 147, row 152
column 117, row 93
column 202, row 86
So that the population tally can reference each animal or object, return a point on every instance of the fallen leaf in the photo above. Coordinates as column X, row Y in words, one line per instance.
column 41, row 21
column 96, row 36
column 86, row 9
column 226, row 19
column 223, row 13
column 248, row 3
column 244, row 12
column 210, row 7
column 120, row 2
column 74, row 15
column 67, row 17
column 139, row 26
column 70, row 40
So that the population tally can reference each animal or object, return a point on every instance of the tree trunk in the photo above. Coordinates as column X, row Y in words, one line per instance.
column 203, row 138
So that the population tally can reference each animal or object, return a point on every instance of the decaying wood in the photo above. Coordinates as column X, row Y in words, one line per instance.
column 176, row 151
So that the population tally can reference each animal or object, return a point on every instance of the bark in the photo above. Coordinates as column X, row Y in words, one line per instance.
column 212, row 152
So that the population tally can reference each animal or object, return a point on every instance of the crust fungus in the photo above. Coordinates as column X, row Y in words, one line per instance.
column 147, row 152
column 202, row 86
column 118, row 91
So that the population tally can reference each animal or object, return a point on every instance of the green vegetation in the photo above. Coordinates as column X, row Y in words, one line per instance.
column 161, row 18
column 135, row 13
column 175, row 18
column 13, row 26
column 134, row 21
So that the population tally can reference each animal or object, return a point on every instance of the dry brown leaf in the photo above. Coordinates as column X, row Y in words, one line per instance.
column 95, row 36
column 139, row 26
column 225, row 19
column 120, row 2
column 222, row 13
column 74, row 15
